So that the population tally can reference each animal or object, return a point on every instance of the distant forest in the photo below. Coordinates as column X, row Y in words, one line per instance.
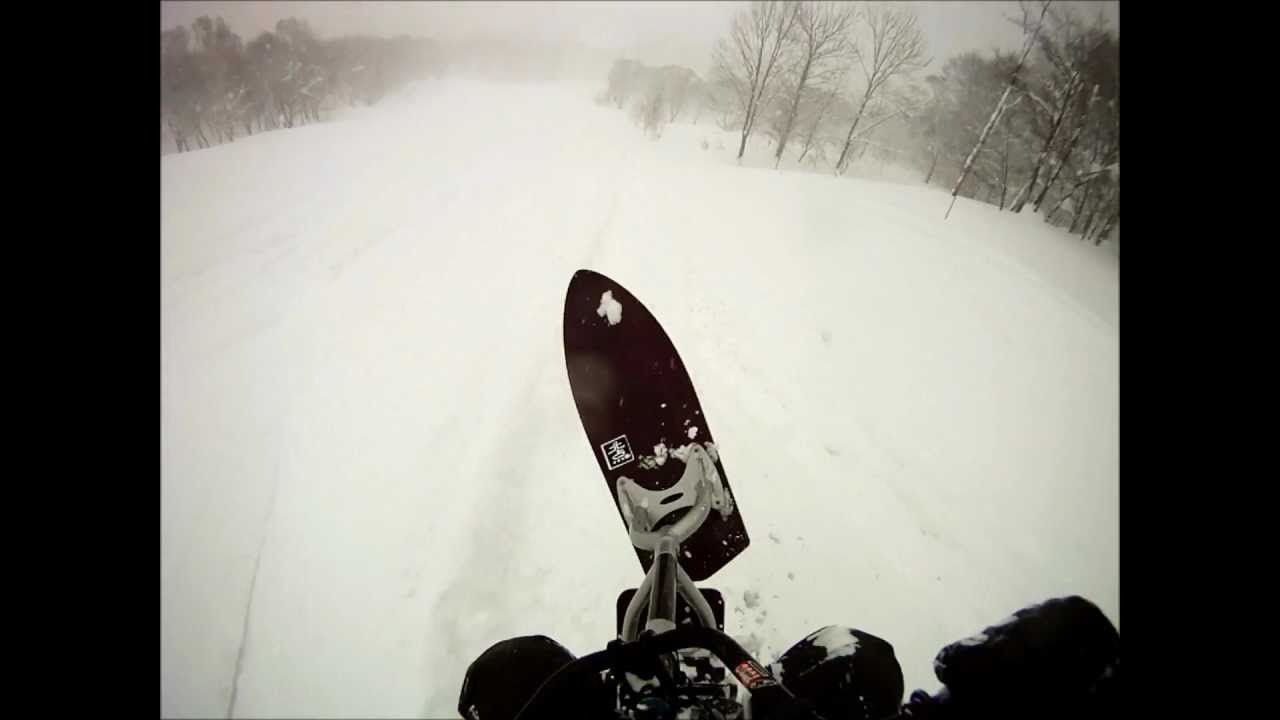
column 215, row 87
column 823, row 83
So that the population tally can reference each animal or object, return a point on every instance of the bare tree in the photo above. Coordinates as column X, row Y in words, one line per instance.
column 1095, row 68
column 1006, row 152
column 927, row 124
column 1100, row 178
column 1064, row 48
column 1113, row 213
column 771, row 113
column 823, row 44
column 700, row 97
column 721, row 99
column 621, row 81
column 749, row 59
column 677, row 82
column 655, row 111
column 897, row 47
column 814, row 124
column 219, row 54
column 649, row 111
column 180, row 86
column 1034, row 29
column 1066, row 153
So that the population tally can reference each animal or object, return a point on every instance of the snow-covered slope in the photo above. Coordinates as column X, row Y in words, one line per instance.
column 371, row 464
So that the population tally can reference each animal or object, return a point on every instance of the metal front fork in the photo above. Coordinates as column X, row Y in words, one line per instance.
column 658, row 591
column 698, row 491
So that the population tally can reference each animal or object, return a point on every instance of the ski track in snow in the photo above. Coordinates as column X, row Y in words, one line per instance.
column 372, row 315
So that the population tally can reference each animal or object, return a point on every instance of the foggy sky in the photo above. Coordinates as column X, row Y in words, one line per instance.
column 653, row 32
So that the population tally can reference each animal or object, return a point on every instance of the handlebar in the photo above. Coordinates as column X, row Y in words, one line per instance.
column 768, row 695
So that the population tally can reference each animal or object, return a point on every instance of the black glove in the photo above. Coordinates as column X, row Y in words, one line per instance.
column 1059, row 659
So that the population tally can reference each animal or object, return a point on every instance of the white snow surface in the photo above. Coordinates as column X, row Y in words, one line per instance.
column 371, row 464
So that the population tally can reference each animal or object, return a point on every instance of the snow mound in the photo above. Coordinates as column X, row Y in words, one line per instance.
column 610, row 308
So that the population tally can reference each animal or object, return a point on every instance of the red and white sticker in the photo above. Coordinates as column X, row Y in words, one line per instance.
column 753, row 676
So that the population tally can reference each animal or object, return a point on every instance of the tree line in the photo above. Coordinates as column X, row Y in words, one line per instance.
column 215, row 87
column 656, row 95
column 1040, row 127
column 822, row 81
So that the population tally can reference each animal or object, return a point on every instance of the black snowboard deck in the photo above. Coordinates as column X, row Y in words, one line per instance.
column 637, row 404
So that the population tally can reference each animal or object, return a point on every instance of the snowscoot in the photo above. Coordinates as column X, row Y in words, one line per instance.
column 670, row 658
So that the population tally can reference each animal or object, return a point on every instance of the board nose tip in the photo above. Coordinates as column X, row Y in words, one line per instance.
column 586, row 275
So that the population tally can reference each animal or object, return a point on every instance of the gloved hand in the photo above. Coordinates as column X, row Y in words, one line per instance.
column 1059, row 659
